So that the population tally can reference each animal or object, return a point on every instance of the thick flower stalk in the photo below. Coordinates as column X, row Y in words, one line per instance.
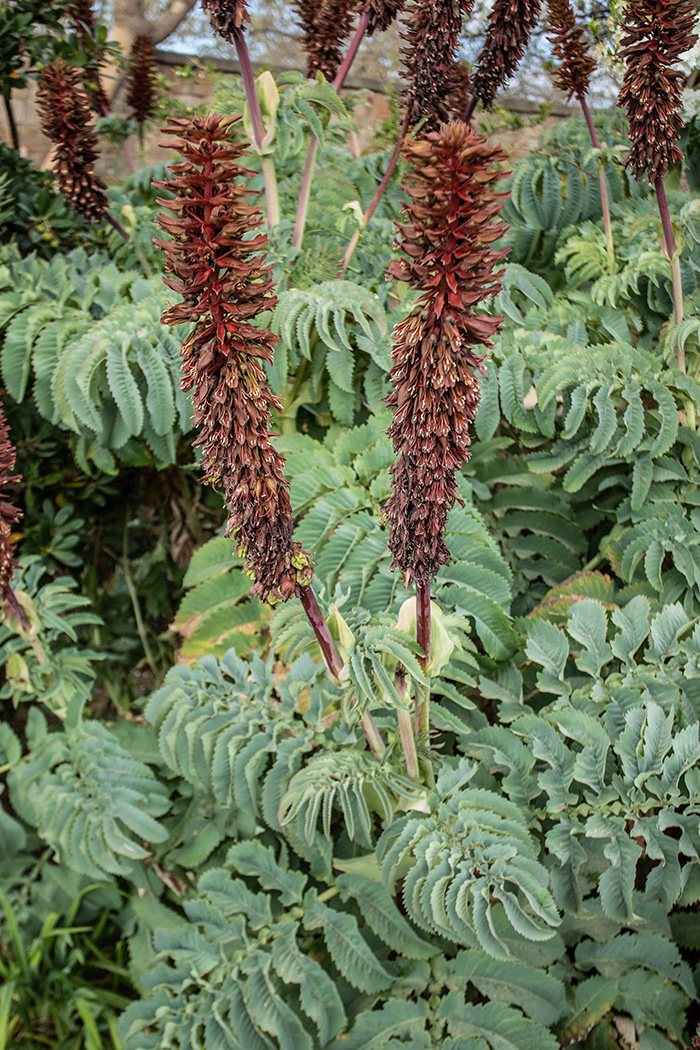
column 447, row 254
column 215, row 261
column 325, row 26
column 65, row 117
column 507, row 35
column 82, row 19
column 655, row 34
column 9, row 516
column 141, row 95
column 431, row 46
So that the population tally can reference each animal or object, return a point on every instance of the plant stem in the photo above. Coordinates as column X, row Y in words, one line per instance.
column 373, row 736
column 469, row 111
column 305, row 192
column 352, row 50
column 320, row 629
column 268, row 169
column 422, row 716
column 605, row 204
column 393, row 160
column 673, row 258
column 133, row 595
column 117, row 225
column 408, row 743
column 11, row 122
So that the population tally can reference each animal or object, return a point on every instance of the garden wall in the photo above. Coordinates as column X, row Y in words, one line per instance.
column 190, row 84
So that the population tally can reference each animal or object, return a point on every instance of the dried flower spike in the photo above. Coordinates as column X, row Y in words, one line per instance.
column 227, row 16
column 447, row 253
column 325, row 26
column 655, row 34
column 9, row 513
column 509, row 27
column 218, row 270
column 382, row 13
column 431, row 38
column 141, row 81
column 576, row 63
column 65, row 117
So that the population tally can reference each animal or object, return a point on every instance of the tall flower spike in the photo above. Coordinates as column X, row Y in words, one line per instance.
column 382, row 13
column 141, row 81
column 447, row 254
column 9, row 514
column 432, row 34
column 226, row 16
column 655, row 32
column 576, row 63
column 64, row 115
column 325, row 26
column 82, row 19
column 214, row 257
column 509, row 27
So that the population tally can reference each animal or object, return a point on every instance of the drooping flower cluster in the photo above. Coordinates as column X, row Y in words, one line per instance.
column 447, row 253
column 141, row 81
column 82, row 19
column 576, row 63
column 509, row 27
column 216, row 266
column 325, row 26
column 64, row 114
column 9, row 513
column 226, row 16
column 431, row 39
column 460, row 91
column 382, row 13
column 655, row 34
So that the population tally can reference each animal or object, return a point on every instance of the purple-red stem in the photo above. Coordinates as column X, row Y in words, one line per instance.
column 11, row 123
column 320, row 629
column 248, row 78
column 605, row 204
column 422, row 711
column 671, row 251
column 305, row 191
column 372, row 207
column 117, row 225
column 470, row 109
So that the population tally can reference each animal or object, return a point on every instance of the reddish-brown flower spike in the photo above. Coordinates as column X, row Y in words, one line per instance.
column 382, row 13
column 576, row 63
column 325, row 26
column 655, row 33
column 447, row 253
column 509, row 27
column 64, row 115
column 227, row 16
column 9, row 513
column 81, row 17
column 216, row 266
column 460, row 91
column 431, row 39
column 141, row 81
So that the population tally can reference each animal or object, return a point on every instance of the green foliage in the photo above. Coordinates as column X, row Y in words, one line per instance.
column 87, row 339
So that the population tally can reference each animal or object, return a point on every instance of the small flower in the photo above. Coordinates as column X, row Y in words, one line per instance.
column 447, row 253
column 509, row 27
column 431, row 38
column 141, row 81
column 64, row 115
column 227, row 16
column 216, row 266
column 655, row 34
column 576, row 63
column 325, row 26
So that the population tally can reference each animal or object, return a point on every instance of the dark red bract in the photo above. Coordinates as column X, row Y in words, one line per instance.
column 576, row 63
column 141, row 80
column 431, row 37
column 509, row 27
column 447, row 253
column 218, row 269
column 325, row 26
column 226, row 16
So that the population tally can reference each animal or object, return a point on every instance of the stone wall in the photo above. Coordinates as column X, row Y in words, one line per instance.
column 196, row 89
